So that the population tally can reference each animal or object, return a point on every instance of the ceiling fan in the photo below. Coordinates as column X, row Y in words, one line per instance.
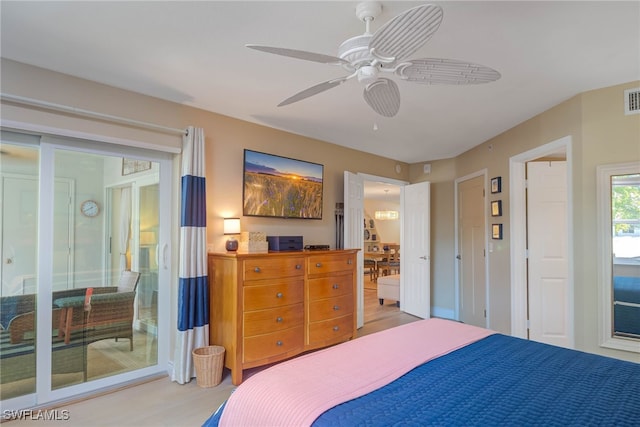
column 370, row 55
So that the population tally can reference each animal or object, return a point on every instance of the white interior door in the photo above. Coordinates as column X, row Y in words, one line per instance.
column 353, row 231
column 549, row 293
column 415, row 255
column 20, row 234
column 471, row 251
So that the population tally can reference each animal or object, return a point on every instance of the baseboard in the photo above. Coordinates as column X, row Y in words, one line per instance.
column 443, row 313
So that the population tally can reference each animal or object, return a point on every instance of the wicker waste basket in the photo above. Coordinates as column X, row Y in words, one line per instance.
column 209, row 362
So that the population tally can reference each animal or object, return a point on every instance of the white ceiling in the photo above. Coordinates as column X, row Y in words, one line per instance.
column 193, row 53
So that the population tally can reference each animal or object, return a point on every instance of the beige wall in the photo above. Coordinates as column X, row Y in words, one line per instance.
column 600, row 132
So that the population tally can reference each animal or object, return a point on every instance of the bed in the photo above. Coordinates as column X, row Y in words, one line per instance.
column 438, row 372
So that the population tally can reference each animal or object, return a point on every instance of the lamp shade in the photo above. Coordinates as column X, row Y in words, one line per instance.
column 231, row 226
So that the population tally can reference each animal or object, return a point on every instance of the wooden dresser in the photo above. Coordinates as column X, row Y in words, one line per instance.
column 268, row 307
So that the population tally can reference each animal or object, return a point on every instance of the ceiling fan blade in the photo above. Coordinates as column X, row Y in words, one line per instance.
column 407, row 32
column 299, row 54
column 446, row 71
column 383, row 96
column 314, row 90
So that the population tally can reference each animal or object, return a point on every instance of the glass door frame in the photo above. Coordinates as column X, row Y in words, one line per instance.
column 48, row 146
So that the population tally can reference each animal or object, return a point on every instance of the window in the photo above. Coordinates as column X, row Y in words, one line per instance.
column 619, row 248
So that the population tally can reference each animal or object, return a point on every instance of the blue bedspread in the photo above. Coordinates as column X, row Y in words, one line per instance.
column 501, row 380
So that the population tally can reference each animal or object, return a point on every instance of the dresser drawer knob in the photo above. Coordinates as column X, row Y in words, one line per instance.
column 336, row 328
column 279, row 295
column 279, row 319
column 257, row 269
column 336, row 307
column 335, row 286
column 318, row 264
column 349, row 261
column 298, row 266
column 279, row 343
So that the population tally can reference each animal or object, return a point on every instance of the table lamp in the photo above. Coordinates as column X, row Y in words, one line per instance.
column 231, row 228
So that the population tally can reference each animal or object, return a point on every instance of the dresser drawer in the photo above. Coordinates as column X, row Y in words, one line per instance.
column 330, row 308
column 272, row 268
column 286, row 292
column 273, row 319
column 327, row 263
column 331, row 286
column 270, row 345
column 336, row 329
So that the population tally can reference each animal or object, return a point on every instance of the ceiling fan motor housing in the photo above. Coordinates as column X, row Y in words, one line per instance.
column 356, row 51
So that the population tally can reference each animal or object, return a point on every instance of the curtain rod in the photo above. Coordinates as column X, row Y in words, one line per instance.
column 88, row 113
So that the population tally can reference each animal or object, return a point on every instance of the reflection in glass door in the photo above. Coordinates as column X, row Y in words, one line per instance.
column 80, row 276
column 147, row 307
column 97, row 328
column 18, row 250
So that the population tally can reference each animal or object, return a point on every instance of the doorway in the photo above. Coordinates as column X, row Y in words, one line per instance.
column 415, row 262
column 381, row 230
column 523, row 271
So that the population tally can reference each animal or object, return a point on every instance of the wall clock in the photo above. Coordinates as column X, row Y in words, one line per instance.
column 90, row 208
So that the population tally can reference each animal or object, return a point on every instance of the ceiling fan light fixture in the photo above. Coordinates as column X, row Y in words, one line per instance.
column 386, row 215
column 367, row 74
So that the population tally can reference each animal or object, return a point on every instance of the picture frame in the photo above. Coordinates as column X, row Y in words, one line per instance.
column 496, row 208
column 282, row 187
column 130, row 166
column 496, row 231
column 496, row 185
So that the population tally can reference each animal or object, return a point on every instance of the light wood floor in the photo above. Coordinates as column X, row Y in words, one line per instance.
column 165, row 403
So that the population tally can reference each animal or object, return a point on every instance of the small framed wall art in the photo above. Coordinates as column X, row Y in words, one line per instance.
column 496, row 185
column 496, row 208
column 496, row 231
column 130, row 166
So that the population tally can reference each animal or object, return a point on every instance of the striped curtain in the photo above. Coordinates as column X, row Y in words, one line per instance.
column 193, row 291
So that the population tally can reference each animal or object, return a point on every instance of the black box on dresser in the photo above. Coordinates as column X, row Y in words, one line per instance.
column 285, row 243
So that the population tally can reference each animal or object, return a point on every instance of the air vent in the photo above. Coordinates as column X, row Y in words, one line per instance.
column 632, row 101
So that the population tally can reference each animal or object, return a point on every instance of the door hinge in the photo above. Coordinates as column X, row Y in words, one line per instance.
column 485, row 313
column 528, row 324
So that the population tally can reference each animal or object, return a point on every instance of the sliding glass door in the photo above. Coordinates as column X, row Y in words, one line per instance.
column 82, row 280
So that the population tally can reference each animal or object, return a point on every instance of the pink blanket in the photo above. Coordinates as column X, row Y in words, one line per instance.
column 296, row 392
